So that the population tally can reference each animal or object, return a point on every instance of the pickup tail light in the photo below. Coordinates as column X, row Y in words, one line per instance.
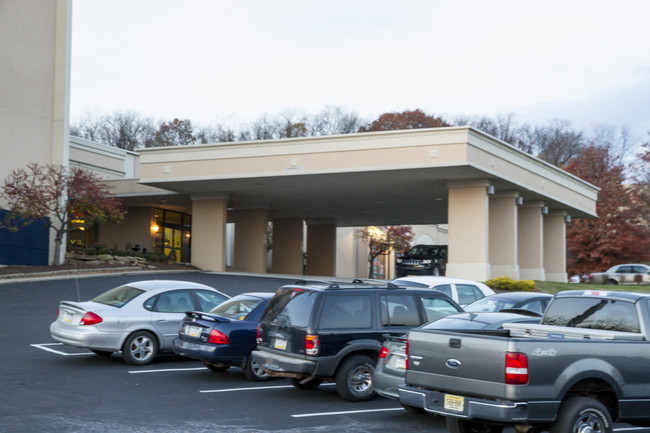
column 383, row 353
column 218, row 337
column 312, row 344
column 516, row 368
column 90, row 318
column 406, row 351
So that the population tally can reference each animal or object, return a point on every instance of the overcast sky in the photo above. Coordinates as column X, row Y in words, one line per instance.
column 584, row 61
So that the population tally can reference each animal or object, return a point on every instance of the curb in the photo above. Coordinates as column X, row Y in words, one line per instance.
column 83, row 273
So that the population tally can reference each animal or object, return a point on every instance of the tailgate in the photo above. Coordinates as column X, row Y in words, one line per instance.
column 457, row 362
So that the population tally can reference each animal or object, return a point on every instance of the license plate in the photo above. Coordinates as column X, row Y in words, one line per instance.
column 67, row 317
column 454, row 402
column 280, row 343
column 400, row 364
column 194, row 331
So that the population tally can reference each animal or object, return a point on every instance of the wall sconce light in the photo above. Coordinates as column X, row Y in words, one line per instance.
column 545, row 210
column 519, row 201
column 490, row 190
column 567, row 218
column 187, row 235
column 155, row 228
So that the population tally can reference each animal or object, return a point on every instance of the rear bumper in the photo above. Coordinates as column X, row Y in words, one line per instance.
column 277, row 365
column 477, row 408
column 206, row 352
column 87, row 337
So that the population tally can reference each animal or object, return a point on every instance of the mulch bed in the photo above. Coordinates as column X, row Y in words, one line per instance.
column 72, row 268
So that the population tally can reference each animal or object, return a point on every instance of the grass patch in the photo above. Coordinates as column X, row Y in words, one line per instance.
column 554, row 287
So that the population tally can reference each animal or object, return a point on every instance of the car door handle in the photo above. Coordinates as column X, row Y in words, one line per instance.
column 161, row 320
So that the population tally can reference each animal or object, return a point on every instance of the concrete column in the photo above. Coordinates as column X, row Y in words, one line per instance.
column 287, row 246
column 209, row 218
column 347, row 255
column 555, row 247
column 250, row 239
column 530, row 242
column 468, row 215
column 321, row 249
column 503, row 235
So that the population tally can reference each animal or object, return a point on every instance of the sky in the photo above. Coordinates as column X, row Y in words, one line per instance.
column 233, row 61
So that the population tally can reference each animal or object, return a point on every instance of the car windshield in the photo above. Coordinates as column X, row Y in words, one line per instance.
column 489, row 304
column 237, row 307
column 118, row 296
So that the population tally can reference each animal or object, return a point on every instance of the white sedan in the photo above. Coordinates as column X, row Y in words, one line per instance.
column 140, row 319
column 460, row 290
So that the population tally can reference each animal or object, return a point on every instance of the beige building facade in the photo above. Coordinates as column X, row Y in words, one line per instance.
column 501, row 211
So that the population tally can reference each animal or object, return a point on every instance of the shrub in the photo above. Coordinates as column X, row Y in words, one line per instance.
column 510, row 285
column 104, row 251
column 150, row 257
column 119, row 253
column 90, row 251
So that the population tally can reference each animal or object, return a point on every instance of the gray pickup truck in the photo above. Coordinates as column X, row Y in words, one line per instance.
column 586, row 364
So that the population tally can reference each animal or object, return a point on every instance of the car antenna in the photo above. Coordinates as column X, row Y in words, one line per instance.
column 76, row 280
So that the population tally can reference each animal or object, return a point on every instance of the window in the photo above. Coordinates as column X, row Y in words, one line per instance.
column 399, row 310
column 444, row 288
column 593, row 313
column 346, row 312
column 535, row 306
column 291, row 307
column 118, row 296
column 178, row 301
column 236, row 308
column 208, row 300
column 436, row 307
column 468, row 293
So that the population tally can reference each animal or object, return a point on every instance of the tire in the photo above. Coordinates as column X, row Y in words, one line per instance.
column 355, row 378
column 140, row 348
column 312, row 384
column 253, row 371
column 216, row 368
column 458, row 425
column 582, row 414
column 412, row 409
column 103, row 353
column 611, row 282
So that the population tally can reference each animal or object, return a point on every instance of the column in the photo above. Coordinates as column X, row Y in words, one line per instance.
column 209, row 217
column 287, row 246
column 555, row 246
column 468, row 214
column 503, row 235
column 250, row 239
column 321, row 249
column 530, row 243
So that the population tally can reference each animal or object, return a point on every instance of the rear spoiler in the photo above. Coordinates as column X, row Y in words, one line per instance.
column 206, row 316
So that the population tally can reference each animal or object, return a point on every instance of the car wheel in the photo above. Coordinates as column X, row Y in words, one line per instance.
column 312, row 384
column 458, row 425
column 412, row 409
column 582, row 414
column 102, row 352
column 354, row 378
column 612, row 282
column 218, row 368
column 140, row 348
column 254, row 371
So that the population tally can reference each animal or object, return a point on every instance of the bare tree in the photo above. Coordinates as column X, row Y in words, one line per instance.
column 333, row 120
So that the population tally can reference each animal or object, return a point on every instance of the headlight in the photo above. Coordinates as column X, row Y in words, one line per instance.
column 398, row 261
column 427, row 262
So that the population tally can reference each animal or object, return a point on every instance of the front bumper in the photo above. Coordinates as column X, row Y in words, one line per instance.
column 477, row 408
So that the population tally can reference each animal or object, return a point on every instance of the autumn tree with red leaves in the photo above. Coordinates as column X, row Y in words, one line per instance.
column 405, row 120
column 383, row 239
column 65, row 198
column 620, row 233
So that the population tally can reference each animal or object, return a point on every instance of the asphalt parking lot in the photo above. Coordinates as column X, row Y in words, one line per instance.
column 48, row 387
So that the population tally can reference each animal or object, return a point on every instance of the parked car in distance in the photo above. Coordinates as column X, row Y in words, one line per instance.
column 461, row 291
column 391, row 365
column 422, row 260
column 530, row 301
column 635, row 273
column 226, row 335
column 313, row 332
column 140, row 318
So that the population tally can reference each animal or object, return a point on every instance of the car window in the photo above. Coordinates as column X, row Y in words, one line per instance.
column 436, row 307
column 489, row 303
column 346, row 312
column 594, row 314
column 208, row 300
column 535, row 306
column 624, row 269
column 444, row 288
column 237, row 308
column 290, row 307
column 468, row 293
column 399, row 310
column 177, row 301
column 118, row 296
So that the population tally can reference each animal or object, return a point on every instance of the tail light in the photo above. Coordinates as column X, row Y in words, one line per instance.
column 516, row 368
column 383, row 353
column 406, row 351
column 218, row 337
column 90, row 318
column 258, row 339
column 311, row 344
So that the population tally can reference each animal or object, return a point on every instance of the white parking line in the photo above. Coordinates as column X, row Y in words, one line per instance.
column 164, row 370
column 58, row 352
column 254, row 388
column 304, row 415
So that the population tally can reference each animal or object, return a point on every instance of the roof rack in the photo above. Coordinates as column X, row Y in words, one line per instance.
column 329, row 284
column 374, row 282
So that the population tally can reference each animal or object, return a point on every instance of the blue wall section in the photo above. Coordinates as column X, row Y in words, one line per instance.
column 27, row 246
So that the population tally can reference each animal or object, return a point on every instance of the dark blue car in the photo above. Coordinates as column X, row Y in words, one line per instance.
column 226, row 335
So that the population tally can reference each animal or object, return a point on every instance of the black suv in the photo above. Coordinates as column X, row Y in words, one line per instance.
column 422, row 260
column 312, row 332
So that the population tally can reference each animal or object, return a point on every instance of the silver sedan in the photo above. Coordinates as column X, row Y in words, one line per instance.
column 140, row 319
